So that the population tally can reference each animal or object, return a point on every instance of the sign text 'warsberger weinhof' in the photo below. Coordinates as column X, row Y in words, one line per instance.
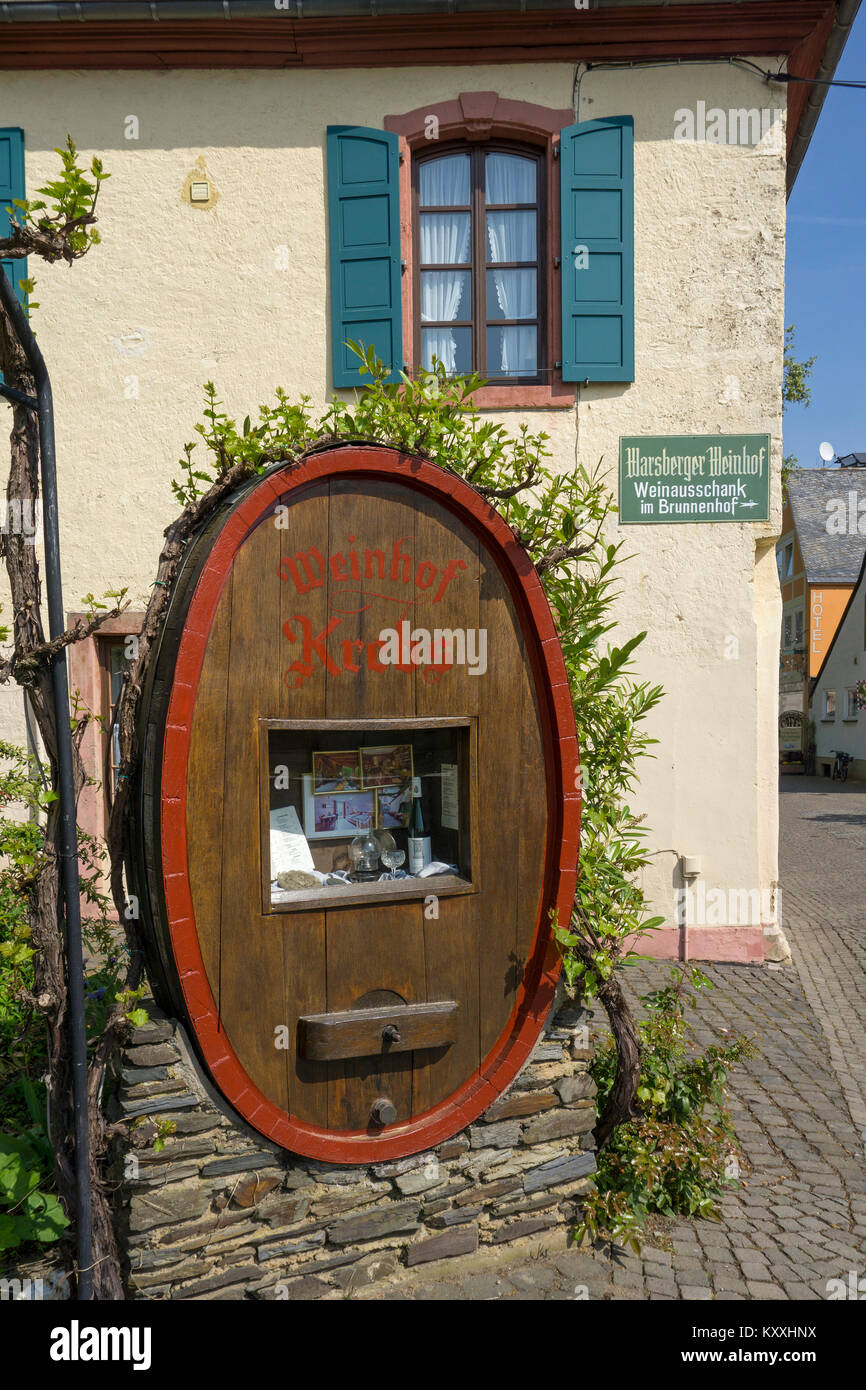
column 698, row 477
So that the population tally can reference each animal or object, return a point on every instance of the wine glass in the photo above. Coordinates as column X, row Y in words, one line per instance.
column 393, row 858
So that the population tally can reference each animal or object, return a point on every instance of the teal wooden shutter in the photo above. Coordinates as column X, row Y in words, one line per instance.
column 598, row 282
column 11, row 186
column 364, row 209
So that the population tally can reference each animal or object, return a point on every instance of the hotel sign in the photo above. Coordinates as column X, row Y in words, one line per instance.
column 697, row 477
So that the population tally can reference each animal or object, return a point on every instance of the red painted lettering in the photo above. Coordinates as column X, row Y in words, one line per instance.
column 290, row 568
column 373, row 662
column 420, row 579
column 311, row 644
column 400, row 561
column 336, row 563
column 348, row 663
column 447, row 575
column 379, row 556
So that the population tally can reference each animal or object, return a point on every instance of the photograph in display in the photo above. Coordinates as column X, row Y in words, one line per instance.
column 336, row 815
column 336, row 772
column 395, row 804
column 390, row 766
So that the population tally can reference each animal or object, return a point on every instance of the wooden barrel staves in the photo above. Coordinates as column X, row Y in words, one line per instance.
column 345, row 636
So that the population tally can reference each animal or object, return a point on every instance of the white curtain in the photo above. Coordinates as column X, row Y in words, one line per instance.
column 510, row 179
column 514, row 293
column 442, row 292
column 445, row 238
column 444, row 182
column 511, row 351
column 439, row 342
column 511, row 236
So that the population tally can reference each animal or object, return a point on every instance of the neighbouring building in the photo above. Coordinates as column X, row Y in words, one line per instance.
column 818, row 556
column 838, row 705
column 586, row 205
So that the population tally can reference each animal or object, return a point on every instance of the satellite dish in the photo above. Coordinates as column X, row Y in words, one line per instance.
column 827, row 452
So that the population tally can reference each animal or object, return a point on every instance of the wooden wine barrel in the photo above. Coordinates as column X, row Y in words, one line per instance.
column 295, row 695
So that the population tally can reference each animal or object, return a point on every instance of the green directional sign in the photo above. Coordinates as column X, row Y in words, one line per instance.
column 694, row 477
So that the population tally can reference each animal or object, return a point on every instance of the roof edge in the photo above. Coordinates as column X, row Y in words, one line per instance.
column 846, row 13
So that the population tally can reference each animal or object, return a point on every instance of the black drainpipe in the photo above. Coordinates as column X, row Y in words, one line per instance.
column 43, row 404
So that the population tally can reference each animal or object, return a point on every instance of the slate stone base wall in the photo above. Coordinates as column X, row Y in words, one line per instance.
column 221, row 1213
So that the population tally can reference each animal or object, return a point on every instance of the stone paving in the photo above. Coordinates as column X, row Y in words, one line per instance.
column 799, row 1218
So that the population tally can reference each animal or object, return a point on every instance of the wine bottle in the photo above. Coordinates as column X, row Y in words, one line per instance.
column 420, row 853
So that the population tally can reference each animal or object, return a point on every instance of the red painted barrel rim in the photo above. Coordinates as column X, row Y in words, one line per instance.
column 535, row 995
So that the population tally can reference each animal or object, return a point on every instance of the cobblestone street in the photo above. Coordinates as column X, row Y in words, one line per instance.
column 799, row 1107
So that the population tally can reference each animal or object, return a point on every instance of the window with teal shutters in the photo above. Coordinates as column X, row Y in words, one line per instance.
column 364, row 212
column 597, row 182
column 11, row 186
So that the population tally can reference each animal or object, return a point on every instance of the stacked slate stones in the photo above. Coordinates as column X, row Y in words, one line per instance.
column 220, row 1213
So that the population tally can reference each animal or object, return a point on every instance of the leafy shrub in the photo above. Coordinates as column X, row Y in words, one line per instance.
column 678, row 1157
column 22, row 1033
column 28, row 1209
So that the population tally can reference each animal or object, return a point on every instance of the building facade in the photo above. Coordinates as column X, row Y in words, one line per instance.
column 818, row 556
column 838, row 705
column 278, row 181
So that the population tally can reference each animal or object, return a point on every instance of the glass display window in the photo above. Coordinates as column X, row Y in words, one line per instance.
column 366, row 810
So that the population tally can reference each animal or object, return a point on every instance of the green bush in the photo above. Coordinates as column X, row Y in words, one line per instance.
column 27, row 1211
column 678, row 1157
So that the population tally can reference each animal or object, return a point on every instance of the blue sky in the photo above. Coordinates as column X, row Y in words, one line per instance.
column 826, row 260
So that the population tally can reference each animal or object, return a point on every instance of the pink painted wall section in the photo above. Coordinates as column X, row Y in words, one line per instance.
column 86, row 687
column 85, row 693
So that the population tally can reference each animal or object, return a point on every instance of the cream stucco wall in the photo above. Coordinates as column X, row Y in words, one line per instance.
column 176, row 295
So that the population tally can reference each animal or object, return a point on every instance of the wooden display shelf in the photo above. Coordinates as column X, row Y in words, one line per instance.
column 363, row 894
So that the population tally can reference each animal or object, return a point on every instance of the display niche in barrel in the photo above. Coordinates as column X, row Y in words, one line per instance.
column 358, row 804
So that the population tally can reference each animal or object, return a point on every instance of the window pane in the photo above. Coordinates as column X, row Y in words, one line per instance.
column 512, row 351
column 117, row 662
column 445, row 238
column 117, row 666
column 445, row 295
column 510, row 179
column 511, row 236
column 453, row 347
column 511, row 294
column 444, row 182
